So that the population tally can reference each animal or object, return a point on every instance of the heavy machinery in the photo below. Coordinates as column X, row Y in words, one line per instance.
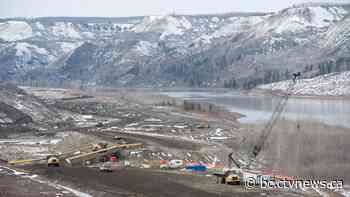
column 82, row 158
column 232, row 177
column 53, row 161
column 203, row 125
column 235, row 175
column 99, row 146
column 75, row 156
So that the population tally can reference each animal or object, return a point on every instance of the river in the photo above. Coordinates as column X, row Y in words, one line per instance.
column 259, row 108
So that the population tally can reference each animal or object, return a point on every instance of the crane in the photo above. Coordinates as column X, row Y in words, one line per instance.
column 235, row 175
column 265, row 133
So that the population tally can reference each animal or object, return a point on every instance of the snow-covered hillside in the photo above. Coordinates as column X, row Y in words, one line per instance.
column 166, row 25
column 338, row 35
column 334, row 84
column 231, row 50
column 15, row 30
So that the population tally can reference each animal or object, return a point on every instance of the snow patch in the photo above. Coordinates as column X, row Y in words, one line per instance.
column 299, row 19
column 237, row 25
column 15, row 30
column 31, row 141
column 233, row 26
column 75, row 192
column 40, row 26
column 334, row 84
column 24, row 48
column 69, row 46
column 145, row 47
column 166, row 25
column 62, row 29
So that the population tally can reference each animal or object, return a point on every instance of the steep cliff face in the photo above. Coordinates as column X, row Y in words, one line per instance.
column 231, row 50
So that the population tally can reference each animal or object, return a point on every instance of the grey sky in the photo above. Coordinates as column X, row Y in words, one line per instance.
column 34, row 8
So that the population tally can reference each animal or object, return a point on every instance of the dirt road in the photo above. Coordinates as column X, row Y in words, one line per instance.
column 143, row 182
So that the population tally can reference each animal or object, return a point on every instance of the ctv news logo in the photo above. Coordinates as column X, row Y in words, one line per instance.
column 263, row 183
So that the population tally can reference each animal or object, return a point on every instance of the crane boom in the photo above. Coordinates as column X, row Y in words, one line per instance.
column 256, row 149
column 269, row 126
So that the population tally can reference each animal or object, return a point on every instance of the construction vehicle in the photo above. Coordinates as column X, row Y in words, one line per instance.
column 99, row 146
column 232, row 177
column 203, row 125
column 53, row 161
column 24, row 161
column 236, row 175
column 82, row 158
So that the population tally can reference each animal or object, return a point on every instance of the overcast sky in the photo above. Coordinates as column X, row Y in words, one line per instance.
column 35, row 8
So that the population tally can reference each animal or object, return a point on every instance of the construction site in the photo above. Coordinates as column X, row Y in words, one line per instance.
column 64, row 142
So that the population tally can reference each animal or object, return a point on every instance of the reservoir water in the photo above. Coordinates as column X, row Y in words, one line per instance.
column 259, row 108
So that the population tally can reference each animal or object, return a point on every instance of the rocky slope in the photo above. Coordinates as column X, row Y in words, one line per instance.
column 227, row 50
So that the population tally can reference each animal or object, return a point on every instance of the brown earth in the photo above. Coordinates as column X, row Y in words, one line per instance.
column 142, row 182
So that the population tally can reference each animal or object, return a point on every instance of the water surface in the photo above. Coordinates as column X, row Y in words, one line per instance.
column 260, row 108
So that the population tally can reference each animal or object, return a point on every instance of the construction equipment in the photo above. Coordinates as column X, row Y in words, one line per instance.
column 24, row 161
column 203, row 125
column 256, row 149
column 99, row 146
column 234, row 176
column 100, row 153
column 50, row 158
column 53, row 161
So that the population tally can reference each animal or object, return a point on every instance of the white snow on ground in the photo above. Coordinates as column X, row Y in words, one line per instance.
column 69, row 46
column 40, row 26
column 30, row 141
column 137, row 132
column 299, row 19
column 24, row 48
column 145, row 47
column 167, row 25
column 66, row 30
column 337, row 35
column 233, row 26
column 334, row 84
column 236, row 25
column 322, row 17
column 15, row 30
column 75, row 192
